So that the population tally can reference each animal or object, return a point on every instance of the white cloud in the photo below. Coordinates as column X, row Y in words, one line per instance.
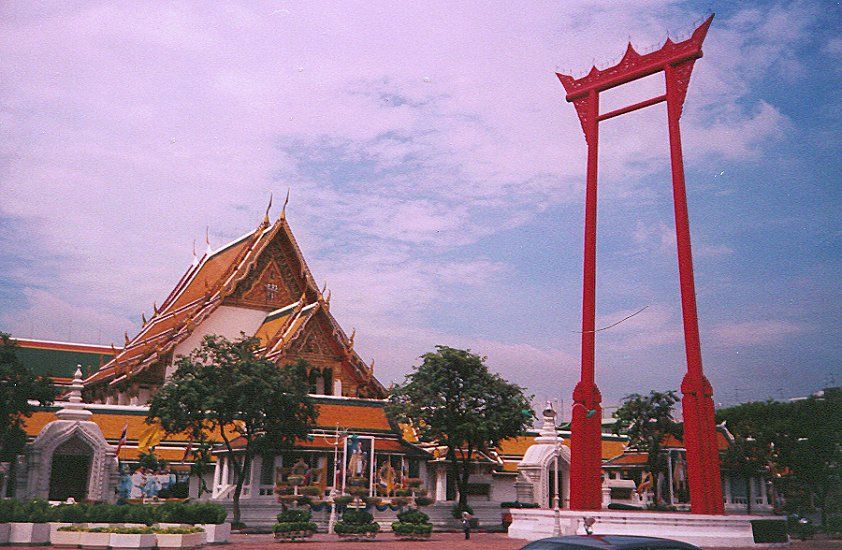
column 755, row 333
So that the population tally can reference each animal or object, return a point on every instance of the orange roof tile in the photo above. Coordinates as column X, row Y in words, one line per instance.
column 354, row 417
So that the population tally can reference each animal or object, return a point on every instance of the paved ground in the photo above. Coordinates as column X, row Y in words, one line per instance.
column 451, row 541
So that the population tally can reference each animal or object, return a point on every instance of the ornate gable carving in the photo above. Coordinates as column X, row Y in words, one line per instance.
column 276, row 280
column 316, row 344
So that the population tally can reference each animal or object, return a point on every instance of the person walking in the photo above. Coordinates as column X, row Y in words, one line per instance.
column 466, row 523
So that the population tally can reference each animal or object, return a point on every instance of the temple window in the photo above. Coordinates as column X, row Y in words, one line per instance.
column 328, row 381
column 314, row 379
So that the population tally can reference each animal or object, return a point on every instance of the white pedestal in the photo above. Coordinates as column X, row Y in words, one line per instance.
column 701, row 530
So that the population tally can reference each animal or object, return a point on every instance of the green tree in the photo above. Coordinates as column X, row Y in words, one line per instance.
column 225, row 391
column 454, row 401
column 804, row 437
column 749, row 459
column 17, row 387
column 647, row 420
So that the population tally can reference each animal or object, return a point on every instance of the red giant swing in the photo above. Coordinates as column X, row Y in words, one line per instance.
column 676, row 61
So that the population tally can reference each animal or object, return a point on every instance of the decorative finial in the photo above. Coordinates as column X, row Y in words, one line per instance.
column 324, row 288
column 143, row 318
column 126, row 337
column 207, row 239
column 266, row 216
column 351, row 339
column 195, row 257
column 155, row 307
column 371, row 366
column 113, row 349
column 327, row 298
column 284, row 209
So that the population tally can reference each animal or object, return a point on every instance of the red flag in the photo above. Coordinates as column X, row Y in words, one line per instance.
column 122, row 438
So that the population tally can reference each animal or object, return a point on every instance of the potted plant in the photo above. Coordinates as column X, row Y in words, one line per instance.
column 294, row 525
column 296, row 480
column 356, row 525
column 412, row 525
column 29, row 523
column 95, row 538
column 343, row 500
column 180, row 537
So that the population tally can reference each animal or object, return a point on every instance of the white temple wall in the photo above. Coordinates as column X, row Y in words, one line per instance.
column 227, row 321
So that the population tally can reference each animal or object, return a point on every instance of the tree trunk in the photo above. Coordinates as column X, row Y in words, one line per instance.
column 453, row 466
column 240, row 472
column 465, row 477
column 749, row 483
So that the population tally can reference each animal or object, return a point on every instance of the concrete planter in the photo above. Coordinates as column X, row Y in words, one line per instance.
column 65, row 539
column 95, row 541
column 216, row 533
column 29, row 533
column 4, row 533
column 123, row 540
column 191, row 540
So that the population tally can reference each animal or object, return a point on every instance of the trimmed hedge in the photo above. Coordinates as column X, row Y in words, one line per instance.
column 294, row 521
column 412, row 522
column 356, row 522
column 40, row 511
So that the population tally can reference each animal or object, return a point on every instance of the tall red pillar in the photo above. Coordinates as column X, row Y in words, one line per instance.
column 697, row 401
column 676, row 61
column 586, row 437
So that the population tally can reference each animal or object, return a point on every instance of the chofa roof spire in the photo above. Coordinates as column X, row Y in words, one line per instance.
column 284, row 208
column 268, row 208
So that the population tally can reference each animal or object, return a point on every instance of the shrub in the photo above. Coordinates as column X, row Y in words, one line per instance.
column 7, row 507
column 769, row 530
column 70, row 513
column 423, row 501
column 413, row 516
column 414, row 481
column 138, row 513
column 99, row 513
column 357, row 517
column 293, row 526
column 294, row 516
column 343, row 500
column 33, row 511
column 403, row 492
column 311, row 490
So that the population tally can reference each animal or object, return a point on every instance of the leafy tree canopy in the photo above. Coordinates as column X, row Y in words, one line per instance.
column 226, row 391
column 17, row 387
column 453, row 400
column 647, row 420
column 802, row 437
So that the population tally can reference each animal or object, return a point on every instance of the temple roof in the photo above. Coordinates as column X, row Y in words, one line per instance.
column 58, row 360
column 212, row 281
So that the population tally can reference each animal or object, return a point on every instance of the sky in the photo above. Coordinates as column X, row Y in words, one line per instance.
column 436, row 177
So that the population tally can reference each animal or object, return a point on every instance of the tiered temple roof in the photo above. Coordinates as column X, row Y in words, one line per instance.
column 262, row 270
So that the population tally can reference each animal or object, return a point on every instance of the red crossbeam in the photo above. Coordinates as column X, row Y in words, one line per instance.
column 635, row 107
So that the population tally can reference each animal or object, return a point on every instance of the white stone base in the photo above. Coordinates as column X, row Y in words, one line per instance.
column 701, row 530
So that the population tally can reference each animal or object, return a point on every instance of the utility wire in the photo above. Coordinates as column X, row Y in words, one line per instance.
column 613, row 324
